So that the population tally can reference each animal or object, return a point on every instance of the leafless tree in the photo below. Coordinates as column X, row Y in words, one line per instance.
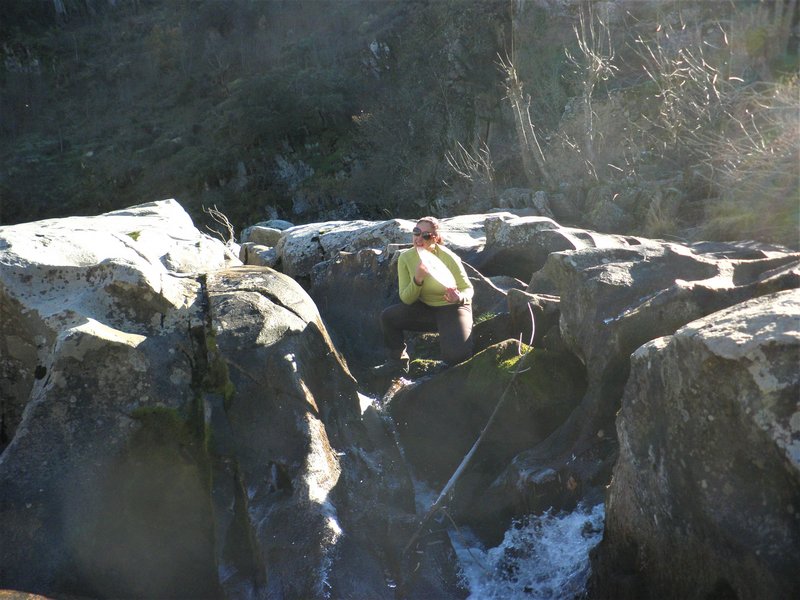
column 533, row 158
column 476, row 167
column 595, row 63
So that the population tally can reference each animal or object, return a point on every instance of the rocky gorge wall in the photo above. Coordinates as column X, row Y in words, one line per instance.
column 596, row 299
column 157, row 393
column 178, row 425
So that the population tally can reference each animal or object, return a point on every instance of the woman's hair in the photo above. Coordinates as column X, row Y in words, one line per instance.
column 435, row 223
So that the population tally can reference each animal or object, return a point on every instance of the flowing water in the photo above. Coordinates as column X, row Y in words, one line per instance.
column 540, row 557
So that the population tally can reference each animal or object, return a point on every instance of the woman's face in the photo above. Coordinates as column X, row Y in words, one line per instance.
column 423, row 230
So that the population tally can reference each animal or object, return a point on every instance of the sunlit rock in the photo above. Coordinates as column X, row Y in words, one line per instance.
column 303, row 246
column 257, row 255
column 704, row 497
column 261, row 235
column 519, row 246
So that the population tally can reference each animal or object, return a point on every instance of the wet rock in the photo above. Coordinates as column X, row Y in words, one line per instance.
column 439, row 419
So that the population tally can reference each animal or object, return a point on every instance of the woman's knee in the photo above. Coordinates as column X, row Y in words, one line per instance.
column 454, row 355
column 392, row 315
column 457, row 347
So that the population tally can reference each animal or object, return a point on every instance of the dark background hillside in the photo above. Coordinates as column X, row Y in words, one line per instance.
column 318, row 109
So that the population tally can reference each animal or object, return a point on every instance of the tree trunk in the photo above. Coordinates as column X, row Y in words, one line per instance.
column 533, row 158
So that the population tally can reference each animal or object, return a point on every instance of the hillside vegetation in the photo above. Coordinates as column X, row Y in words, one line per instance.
column 667, row 119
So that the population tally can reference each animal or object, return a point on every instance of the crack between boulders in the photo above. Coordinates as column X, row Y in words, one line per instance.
column 210, row 376
column 126, row 241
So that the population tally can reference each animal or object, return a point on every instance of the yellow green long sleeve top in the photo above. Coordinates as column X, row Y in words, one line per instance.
column 431, row 292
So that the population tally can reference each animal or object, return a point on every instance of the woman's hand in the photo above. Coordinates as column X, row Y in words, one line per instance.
column 452, row 295
column 420, row 274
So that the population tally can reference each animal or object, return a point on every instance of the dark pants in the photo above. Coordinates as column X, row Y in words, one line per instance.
column 452, row 322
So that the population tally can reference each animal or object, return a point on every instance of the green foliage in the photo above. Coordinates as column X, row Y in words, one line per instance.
column 486, row 316
column 194, row 99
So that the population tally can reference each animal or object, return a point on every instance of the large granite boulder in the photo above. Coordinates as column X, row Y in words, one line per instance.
column 291, row 452
column 176, row 425
column 704, row 498
column 128, row 271
column 614, row 300
column 518, row 246
column 98, row 377
column 302, row 247
column 611, row 302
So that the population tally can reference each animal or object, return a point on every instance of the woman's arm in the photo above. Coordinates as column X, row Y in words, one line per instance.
column 463, row 284
column 406, row 269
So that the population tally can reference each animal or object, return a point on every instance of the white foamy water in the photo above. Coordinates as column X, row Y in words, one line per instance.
column 540, row 558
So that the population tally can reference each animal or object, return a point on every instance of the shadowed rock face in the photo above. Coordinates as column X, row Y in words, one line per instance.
column 439, row 419
column 705, row 492
column 179, row 432
column 614, row 300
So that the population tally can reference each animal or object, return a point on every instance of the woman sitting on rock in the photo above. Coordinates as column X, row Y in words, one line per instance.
column 436, row 296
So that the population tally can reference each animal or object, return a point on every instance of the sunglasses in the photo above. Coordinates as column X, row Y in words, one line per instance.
column 425, row 236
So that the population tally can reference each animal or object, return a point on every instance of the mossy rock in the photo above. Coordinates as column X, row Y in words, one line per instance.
column 440, row 418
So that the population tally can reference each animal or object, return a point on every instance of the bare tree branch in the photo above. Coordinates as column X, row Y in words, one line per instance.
column 221, row 219
column 533, row 158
